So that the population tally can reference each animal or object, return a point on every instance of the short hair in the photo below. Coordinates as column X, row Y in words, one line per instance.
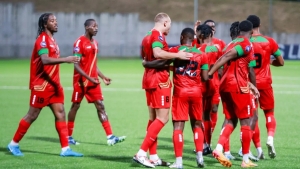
column 234, row 29
column 206, row 31
column 199, row 27
column 160, row 16
column 245, row 26
column 254, row 20
column 43, row 19
column 209, row 20
column 188, row 33
column 88, row 22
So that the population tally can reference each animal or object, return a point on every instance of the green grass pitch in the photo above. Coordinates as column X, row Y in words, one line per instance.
column 126, row 106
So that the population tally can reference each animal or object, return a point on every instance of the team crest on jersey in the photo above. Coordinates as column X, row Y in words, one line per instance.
column 43, row 44
column 76, row 49
column 160, row 38
column 248, row 48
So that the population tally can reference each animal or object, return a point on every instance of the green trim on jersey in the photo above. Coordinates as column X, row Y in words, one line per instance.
column 209, row 49
column 43, row 51
column 149, row 33
column 277, row 53
column 258, row 39
column 204, row 67
column 238, row 40
column 78, row 54
column 188, row 49
column 195, row 50
column 239, row 50
column 157, row 44
column 252, row 63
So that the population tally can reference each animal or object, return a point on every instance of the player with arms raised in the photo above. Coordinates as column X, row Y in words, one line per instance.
column 264, row 47
column 86, row 83
column 45, row 86
column 235, row 92
column 187, row 96
column 158, row 87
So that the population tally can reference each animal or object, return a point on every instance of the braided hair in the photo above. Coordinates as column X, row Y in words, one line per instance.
column 42, row 21
column 234, row 29
column 206, row 31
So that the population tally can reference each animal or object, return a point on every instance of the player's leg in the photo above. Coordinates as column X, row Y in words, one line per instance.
column 207, row 125
column 161, row 102
column 214, row 110
column 77, row 96
column 56, row 104
column 266, row 101
column 226, row 131
column 226, row 146
column 24, row 125
column 71, row 122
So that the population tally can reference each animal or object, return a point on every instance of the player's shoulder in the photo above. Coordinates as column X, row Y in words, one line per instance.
column 42, row 40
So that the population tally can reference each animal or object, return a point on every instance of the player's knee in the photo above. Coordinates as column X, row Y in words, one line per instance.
column 215, row 108
column 32, row 115
column 198, row 124
column 76, row 106
column 100, row 107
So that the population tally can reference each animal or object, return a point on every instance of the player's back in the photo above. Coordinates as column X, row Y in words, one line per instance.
column 152, row 77
column 187, row 73
column 236, row 71
column 44, row 77
column 264, row 47
column 219, row 42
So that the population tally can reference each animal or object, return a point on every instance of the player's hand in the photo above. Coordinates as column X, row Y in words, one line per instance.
column 106, row 80
column 94, row 80
column 254, row 90
column 144, row 63
column 184, row 55
column 72, row 59
column 197, row 23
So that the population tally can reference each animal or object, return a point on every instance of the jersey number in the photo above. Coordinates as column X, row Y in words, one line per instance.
column 187, row 69
column 258, row 60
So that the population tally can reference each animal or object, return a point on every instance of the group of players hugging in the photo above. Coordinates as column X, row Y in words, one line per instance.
column 205, row 71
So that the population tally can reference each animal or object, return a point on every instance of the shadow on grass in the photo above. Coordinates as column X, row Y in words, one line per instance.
column 119, row 159
column 47, row 139
column 24, row 151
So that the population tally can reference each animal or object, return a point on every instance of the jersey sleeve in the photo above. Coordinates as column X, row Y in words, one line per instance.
column 252, row 62
column 274, row 47
column 174, row 49
column 78, row 50
column 204, row 62
column 41, row 45
column 157, row 40
column 243, row 48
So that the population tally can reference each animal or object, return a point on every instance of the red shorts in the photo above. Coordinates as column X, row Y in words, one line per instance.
column 236, row 105
column 209, row 101
column 91, row 93
column 266, row 99
column 40, row 99
column 158, row 98
column 183, row 107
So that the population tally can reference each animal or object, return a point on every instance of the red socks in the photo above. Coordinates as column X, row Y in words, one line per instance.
column 178, row 142
column 21, row 131
column 270, row 123
column 256, row 136
column 207, row 131
column 70, row 127
column 246, row 135
column 226, row 146
column 153, row 147
column 152, row 133
column 107, row 128
column 225, row 134
column 198, row 139
column 61, row 128
column 213, row 120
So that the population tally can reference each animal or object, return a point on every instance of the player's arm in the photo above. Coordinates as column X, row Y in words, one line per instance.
column 252, row 76
column 204, row 67
column 46, row 60
column 82, row 73
column 204, row 75
column 105, row 79
column 278, row 61
column 157, row 64
column 220, row 72
column 233, row 53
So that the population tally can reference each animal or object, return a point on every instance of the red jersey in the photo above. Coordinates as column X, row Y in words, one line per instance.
column 44, row 77
column 154, row 77
column 264, row 47
column 196, row 43
column 213, row 53
column 187, row 73
column 236, row 72
column 87, row 51
column 219, row 42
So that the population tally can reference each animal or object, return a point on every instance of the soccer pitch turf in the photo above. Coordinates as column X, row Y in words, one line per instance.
column 126, row 107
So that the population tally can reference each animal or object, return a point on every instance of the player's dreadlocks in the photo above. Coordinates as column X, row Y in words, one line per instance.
column 88, row 22
column 42, row 21
column 206, row 31
column 234, row 29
